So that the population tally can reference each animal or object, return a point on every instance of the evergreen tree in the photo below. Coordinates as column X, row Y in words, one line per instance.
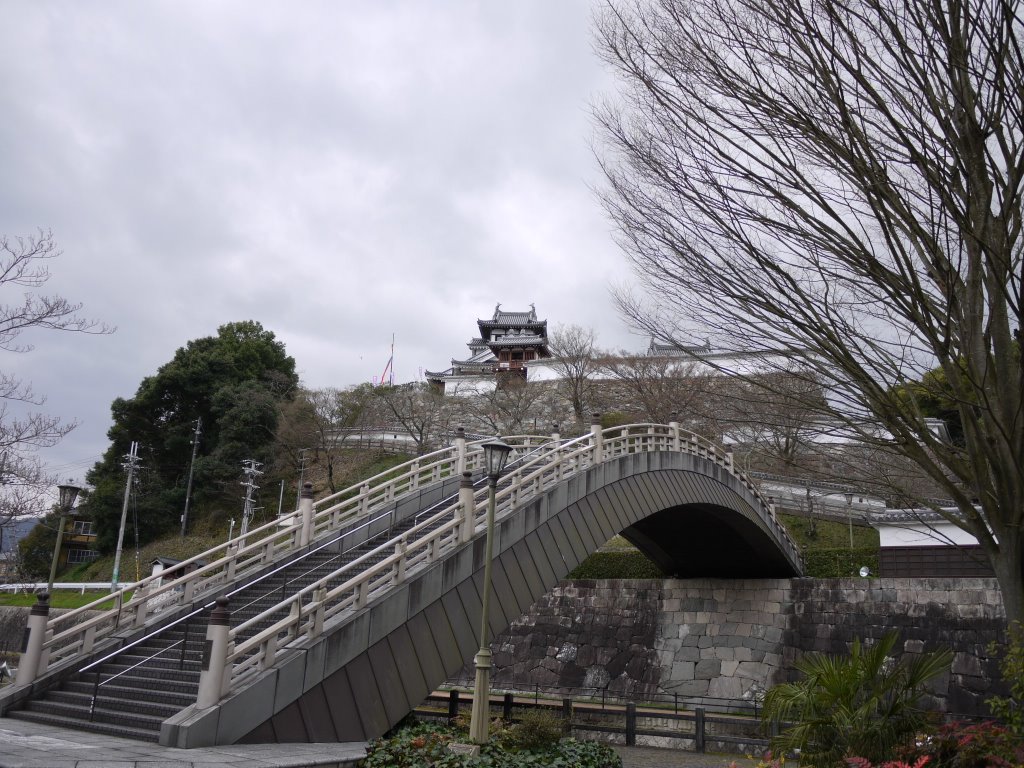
column 234, row 382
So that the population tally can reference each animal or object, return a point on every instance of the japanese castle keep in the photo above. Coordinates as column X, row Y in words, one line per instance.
column 507, row 342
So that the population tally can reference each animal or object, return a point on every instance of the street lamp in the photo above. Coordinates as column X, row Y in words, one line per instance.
column 495, row 455
column 849, row 515
column 67, row 494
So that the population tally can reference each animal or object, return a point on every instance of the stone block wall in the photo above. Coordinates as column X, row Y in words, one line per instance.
column 731, row 639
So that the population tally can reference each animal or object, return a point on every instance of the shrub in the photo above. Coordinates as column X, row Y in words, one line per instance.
column 1010, row 709
column 628, row 564
column 537, row 729
column 967, row 745
column 426, row 746
column 864, row 704
column 839, row 562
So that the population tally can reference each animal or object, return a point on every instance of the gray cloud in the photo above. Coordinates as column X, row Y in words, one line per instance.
column 338, row 171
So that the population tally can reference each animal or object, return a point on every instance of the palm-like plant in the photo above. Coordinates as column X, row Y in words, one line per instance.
column 864, row 704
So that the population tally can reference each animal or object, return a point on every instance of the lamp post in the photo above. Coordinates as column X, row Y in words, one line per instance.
column 67, row 494
column 849, row 519
column 495, row 455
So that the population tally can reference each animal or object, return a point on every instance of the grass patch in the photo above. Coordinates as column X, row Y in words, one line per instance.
column 61, row 598
column 813, row 533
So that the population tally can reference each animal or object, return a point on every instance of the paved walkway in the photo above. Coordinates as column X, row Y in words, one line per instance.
column 32, row 745
column 651, row 757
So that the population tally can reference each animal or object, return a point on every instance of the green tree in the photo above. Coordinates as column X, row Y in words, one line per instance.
column 35, row 550
column 234, row 382
column 841, row 185
column 861, row 705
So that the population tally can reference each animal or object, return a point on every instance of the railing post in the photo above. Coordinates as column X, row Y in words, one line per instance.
column 555, row 436
column 35, row 636
column 306, row 506
column 318, row 614
column 674, row 427
column 453, row 704
column 467, row 505
column 215, row 656
column 364, row 499
column 567, row 714
column 729, row 461
column 631, row 724
column 229, row 570
column 141, row 605
column 400, row 549
column 460, row 450
column 506, row 708
column 597, row 437
column 698, row 729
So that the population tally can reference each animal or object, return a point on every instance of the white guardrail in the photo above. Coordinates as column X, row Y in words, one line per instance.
column 543, row 463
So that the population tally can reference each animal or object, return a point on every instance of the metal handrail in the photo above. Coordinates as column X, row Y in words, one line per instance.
column 74, row 632
column 544, row 463
column 439, row 533
column 188, row 617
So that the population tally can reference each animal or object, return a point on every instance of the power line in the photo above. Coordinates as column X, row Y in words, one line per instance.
column 251, row 470
column 131, row 463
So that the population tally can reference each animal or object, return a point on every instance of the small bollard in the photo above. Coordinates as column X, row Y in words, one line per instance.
column 631, row 724
column 698, row 728
column 453, row 704
column 567, row 715
column 506, row 708
column 32, row 644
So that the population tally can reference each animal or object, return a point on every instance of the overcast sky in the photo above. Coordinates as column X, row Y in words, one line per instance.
column 338, row 171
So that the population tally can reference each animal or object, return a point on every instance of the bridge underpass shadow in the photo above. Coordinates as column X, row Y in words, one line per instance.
column 367, row 670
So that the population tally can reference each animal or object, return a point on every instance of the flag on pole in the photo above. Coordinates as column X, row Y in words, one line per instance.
column 389, row 372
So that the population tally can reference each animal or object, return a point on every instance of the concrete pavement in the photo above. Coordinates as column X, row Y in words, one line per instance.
column 32, row 745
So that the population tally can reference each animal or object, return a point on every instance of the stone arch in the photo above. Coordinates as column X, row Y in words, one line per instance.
column 369, row 670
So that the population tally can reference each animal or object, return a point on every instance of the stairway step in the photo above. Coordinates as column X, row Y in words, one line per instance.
column 180, row 695
column 101, row 714
column 110, row 729
column 110, row 700
column 149, row 676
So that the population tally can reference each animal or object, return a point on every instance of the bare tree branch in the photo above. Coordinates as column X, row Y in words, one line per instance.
column 839, row 183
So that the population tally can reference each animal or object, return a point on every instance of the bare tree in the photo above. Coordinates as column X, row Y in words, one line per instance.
column 323, row 421
column 840, row 182
column 421, row 411
column 23, row 429
column 573, row 357
column 652, row 387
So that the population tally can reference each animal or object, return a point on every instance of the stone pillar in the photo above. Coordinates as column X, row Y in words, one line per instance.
column 215, row 656
column 306, row 508
column 460, row 450
column 597, row 437
column 35, row 636
column 555, row 436
column 466, row 504
column 673, row 426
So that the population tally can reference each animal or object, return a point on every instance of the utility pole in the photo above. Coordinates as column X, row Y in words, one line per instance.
column 302, row 475
column 191, row 466
column 131, row 463
column 251, row 469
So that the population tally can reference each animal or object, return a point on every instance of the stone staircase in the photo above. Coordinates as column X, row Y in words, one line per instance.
column 130, row 693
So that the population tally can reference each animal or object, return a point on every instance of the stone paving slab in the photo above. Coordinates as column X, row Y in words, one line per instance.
column 33, row 745
column 653, row 757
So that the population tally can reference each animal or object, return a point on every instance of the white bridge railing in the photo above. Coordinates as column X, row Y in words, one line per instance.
column 301, row 616
column 544, row 462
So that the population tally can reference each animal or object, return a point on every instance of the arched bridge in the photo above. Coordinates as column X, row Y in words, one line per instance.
column 347, row 614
